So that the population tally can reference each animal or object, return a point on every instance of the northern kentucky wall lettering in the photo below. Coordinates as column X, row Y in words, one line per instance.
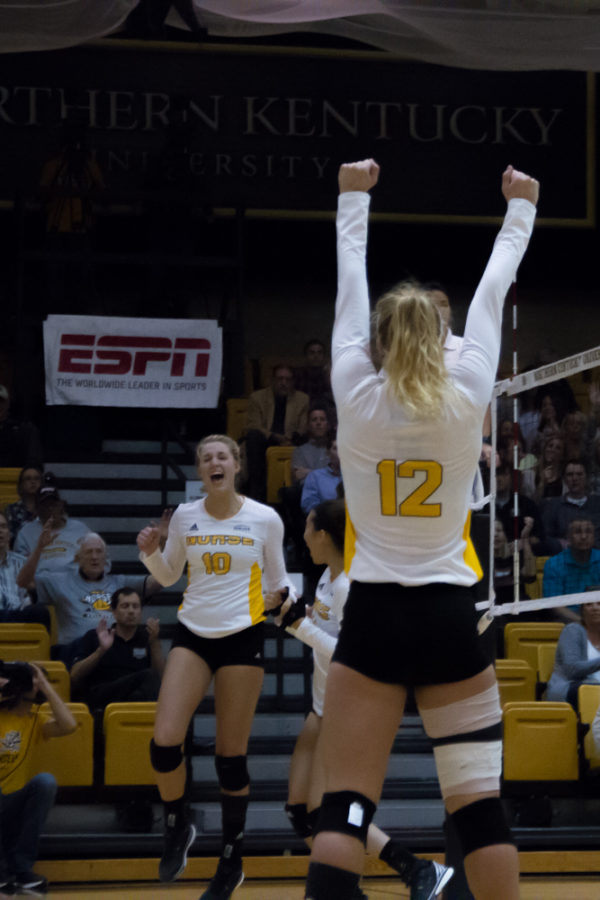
column 267, row 129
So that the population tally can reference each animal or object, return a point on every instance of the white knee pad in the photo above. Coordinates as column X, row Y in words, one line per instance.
column 467, row 743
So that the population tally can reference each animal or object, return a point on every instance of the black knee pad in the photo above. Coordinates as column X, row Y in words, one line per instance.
column 298, row 816
column 165, row 759
column 481, row 824
column 232, row 772
column 346, row 812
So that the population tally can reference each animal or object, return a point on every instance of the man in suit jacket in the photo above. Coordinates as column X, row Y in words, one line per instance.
column 277, row 416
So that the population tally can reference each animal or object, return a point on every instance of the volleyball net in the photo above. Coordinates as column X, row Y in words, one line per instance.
column 543, row 421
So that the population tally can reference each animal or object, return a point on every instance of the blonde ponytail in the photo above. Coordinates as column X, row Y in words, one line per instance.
column 409, row 332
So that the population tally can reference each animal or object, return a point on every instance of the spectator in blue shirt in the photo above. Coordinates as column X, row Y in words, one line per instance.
column 575, row 569
column 322, row 484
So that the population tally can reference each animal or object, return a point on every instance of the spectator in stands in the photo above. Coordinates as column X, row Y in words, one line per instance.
column 15, row 602
column 121, row 662
column 25, row 804
column 322, row 484
column 576, row 503
column 549, row 474
column 277, row 416
column 505, row 507
column 81, row 596
column 552, row 410
column 526, row 463
column 52, row 540
column 574, row 429
column 25, row 509
column 577, row 659
column 20, row 443
column 575, row 569
column 594, row 479
column 314, row 378
column 596, row 730
column 503, row 561
column 313, row 454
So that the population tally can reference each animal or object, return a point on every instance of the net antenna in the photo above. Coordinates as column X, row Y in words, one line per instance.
column 517, row 383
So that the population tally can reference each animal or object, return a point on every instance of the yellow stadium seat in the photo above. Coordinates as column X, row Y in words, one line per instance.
column 546, row 654
column 128, row 728
column 57, row 675
column 279, row 471
column 24, row 641
column 588, row 700
column 521, row 639
column 8, row 486
column 237, row 416
column 70, row 758
column 540, row 742
column 516, row 680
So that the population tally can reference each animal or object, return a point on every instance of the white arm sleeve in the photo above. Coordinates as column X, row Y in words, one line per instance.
column 275, row 575
column 167, row 566
column 351, row 360
column 478, row 360
column 315, row 637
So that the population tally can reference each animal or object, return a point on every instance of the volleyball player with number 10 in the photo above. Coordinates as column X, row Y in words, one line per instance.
column 230, row 544
column 409, row 439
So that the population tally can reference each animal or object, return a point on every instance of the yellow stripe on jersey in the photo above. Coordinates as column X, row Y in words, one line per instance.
column 256, row 600
column 470, row 556
column 349, row 543
column 187, row 575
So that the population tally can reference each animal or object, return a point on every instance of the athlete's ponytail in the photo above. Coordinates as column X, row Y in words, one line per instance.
column 409, row 331
column 330, row 516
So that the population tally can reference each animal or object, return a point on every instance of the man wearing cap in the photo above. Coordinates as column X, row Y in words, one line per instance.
column 51, row 541
column 19, row 441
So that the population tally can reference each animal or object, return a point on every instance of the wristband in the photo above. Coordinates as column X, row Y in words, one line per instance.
column 296, row 611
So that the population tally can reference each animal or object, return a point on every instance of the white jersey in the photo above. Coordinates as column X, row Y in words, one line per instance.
column 227, row 560
column 321, row 630
column 408, row 482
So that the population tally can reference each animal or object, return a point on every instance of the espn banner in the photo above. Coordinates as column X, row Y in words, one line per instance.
column 106, row 361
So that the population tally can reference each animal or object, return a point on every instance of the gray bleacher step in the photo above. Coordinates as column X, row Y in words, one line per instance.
column 276, row 767
column 286, row 725
column 98, row 497
column 100, row 470
column 110, row 524
column 141, row 447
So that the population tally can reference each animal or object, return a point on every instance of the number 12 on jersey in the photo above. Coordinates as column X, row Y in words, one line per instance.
column 389, row 470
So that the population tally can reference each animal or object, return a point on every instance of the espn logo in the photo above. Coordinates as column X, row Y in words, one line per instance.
column 125, row 355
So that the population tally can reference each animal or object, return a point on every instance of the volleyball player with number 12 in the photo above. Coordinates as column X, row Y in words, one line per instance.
column 409, row 439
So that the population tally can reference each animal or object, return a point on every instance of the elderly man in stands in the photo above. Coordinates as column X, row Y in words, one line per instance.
column 81, row 595
column 576, row 503
column 120, row 662
column 277, row 416
column 575, row 569
column 15, row 602
column 52, row 540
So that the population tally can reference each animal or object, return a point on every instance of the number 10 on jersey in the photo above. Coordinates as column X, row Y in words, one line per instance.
column 389, row 471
